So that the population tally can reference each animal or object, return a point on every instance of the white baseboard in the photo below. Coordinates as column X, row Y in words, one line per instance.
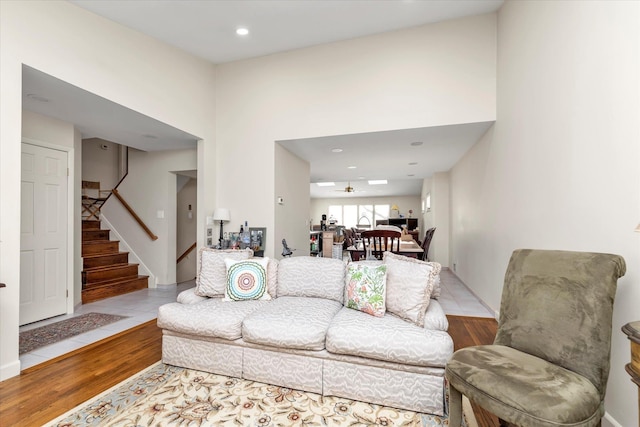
column 496, row 313
column 136, row 259
column 609, row 421
column 10, row 370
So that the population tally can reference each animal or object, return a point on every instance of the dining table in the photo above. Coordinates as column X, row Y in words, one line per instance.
column 408, row 248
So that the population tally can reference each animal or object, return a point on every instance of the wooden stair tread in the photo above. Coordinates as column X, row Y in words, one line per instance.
column 115, row 288
column 107, row 271
column 115, row 281
column 90, row 225
column 109, row 267
column 91, row 256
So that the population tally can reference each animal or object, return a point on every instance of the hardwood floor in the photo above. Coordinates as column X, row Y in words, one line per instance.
column 467, row 332
column 43, row 392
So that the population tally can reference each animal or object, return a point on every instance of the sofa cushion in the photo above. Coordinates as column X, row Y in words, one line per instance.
column 435, row 318
column 212, row 275
column 365, row 289
column 272, row 277
column 436, row 292
column 211, row 318
column 409, row 286
column 387, row 338
column 291, row 322
column 306, row 276
column 188, row 296
column 246, row 280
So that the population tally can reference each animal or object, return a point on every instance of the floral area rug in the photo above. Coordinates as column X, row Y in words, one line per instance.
column 164, row 395
column 54, row 332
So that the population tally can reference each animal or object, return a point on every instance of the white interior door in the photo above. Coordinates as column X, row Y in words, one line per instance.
column 43, row 227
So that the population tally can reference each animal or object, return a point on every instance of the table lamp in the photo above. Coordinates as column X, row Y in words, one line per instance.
column 221, row 214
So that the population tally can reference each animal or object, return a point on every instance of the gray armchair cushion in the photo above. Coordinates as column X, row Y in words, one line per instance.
column 521, row 384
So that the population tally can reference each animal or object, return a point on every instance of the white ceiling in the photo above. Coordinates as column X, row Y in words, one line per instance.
column 384, row 155
column 206, row 28
column 97, row 117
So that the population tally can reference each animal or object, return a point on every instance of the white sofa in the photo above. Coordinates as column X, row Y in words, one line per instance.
column 305, row 338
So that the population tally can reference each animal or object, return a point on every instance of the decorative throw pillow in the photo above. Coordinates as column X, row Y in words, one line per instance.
column 409, row 286
column 246, row 280
column 272, row 277
column 366, row 288
column 212, row 273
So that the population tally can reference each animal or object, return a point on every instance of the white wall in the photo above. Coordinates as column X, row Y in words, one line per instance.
column 100, row 165
column 186, row 231
column 150, row 188
column 560, row 167
column 292, row 217
column 106, row 59
column 426, row 76
column 440, row 215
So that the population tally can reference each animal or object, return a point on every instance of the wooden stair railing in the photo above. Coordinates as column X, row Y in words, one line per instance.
column 187, row 252
column 134, row 215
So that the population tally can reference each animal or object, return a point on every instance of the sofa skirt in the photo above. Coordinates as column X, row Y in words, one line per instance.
column 288, row 370
column 207, row 356
column 399, row 389
column 413, row 388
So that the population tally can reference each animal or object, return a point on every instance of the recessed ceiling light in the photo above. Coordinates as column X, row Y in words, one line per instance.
column 416, row 143
column 377, row 181
column 413, row 163
column 242, row 31
column 351, row 167
column 336, row 150
column 325, row 184
column 361, row 177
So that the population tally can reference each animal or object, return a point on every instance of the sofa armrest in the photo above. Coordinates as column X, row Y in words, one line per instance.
column 189, row 297
column 435, row 318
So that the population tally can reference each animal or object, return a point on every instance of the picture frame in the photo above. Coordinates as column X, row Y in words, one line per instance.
column 258, row 239
column 208, row 234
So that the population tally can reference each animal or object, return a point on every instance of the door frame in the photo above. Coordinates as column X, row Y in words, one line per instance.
column 71, row 215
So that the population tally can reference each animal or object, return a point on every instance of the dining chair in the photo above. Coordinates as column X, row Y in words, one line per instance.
column 380, row 241
column 549, row 363
column 427, row 242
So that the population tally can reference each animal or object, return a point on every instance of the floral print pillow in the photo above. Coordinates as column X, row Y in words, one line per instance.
column 366, row 288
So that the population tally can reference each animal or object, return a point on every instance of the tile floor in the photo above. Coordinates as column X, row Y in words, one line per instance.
column 142, row 306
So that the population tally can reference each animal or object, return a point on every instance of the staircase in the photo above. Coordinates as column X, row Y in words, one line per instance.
column 106, row 271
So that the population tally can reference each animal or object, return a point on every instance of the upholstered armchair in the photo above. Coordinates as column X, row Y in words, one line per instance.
column 549, row 363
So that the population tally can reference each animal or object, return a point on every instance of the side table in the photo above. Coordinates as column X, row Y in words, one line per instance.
column 632, row 330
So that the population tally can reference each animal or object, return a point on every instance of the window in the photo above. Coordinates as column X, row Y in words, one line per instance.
column 382, row 211
column 350, row 215
column 354, row 215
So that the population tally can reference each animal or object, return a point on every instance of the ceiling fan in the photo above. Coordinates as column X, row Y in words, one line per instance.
column 347, row 189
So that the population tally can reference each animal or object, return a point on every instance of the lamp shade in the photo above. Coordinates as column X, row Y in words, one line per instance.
column 221, row 214
column 637, row 230
column 394, row 208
